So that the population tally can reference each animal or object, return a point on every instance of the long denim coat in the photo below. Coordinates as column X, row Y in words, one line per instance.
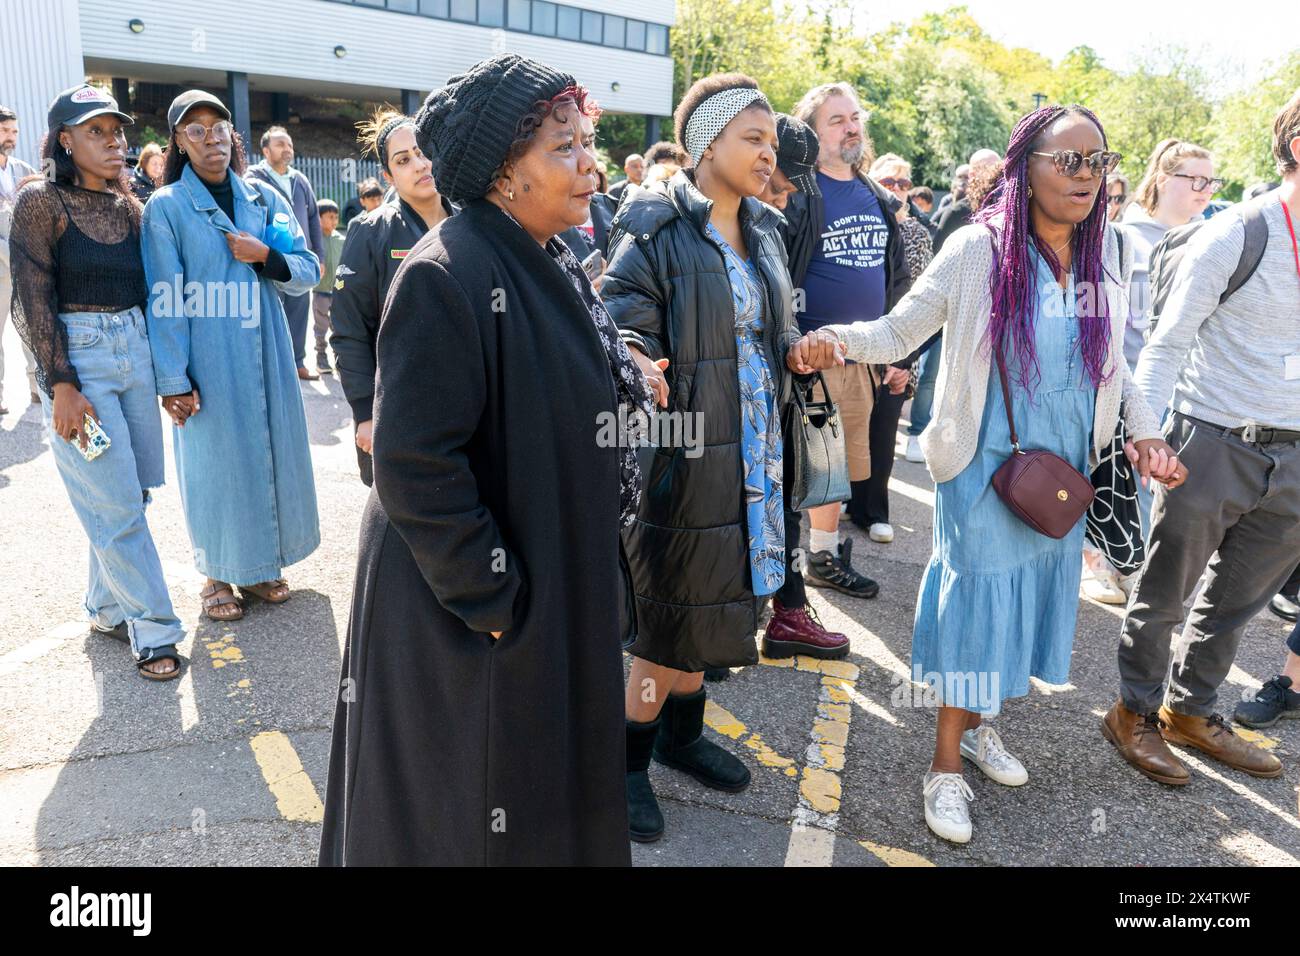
column 243, row 462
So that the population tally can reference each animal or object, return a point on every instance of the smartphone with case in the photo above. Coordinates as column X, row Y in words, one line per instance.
column 594, row 265
column 97, row 441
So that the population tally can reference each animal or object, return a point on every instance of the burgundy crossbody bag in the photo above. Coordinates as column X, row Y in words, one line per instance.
column 1042, row 489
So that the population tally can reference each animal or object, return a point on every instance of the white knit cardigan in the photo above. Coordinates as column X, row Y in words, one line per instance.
column 954, row 294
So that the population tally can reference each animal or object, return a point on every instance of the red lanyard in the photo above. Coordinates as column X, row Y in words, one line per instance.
column 1295, row 247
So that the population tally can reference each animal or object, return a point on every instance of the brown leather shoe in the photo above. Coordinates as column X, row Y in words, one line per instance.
column 307, row 376
column 1137, row 738
column 1213, row 736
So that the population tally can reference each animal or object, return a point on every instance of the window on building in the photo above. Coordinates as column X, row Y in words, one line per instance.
column 635, row 35
column 403, row 6
column 614, row 30
column 492, row 13
column 656, row 38
column 591, row 31
column 434, row 8
column 568, row 23
column 544, row 18
column 518, row 15
column 464, row 10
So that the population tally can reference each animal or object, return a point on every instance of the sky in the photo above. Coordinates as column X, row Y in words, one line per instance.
column 1233, row 39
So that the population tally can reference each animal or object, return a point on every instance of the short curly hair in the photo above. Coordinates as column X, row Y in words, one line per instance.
column 575, row 95
column 702, row 89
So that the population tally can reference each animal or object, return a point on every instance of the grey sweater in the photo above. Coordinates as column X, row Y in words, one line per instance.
column 1226, row 363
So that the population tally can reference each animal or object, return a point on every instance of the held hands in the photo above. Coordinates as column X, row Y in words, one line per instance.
column 246, row 248
column 1155, row 459
column 654, row 375
column 70, row 409
column 895, row 379
column 365, row 432
column 817, row 350
column 181, row 407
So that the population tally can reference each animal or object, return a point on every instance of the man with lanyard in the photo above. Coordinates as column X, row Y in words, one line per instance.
column 1235, row 419
column 12, row 172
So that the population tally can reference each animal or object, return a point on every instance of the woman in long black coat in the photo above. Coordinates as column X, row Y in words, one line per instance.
column 480, row 714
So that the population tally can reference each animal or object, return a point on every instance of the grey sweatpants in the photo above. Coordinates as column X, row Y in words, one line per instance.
column 1239, row 514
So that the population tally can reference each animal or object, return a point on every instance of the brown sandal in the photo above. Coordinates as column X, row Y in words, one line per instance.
column 218, row 595
column 267, row 589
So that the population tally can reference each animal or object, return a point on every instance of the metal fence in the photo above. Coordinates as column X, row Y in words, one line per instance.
column 336, row 178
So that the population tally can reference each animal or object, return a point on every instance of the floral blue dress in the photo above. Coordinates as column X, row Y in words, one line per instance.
column 998, row 600
column 760, row 426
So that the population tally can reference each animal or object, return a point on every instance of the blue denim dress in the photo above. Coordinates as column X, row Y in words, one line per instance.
column 243, row 462
column 760, row 426
column 999, row 601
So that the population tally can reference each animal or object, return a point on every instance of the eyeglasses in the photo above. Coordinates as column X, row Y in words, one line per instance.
column 1117, row 199
column 889, row 182
column 197, row 132
column 1069, row 161
column 1199, row 183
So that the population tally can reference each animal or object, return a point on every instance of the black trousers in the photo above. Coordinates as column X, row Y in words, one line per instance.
column 1292, row 587
column 791, row 593
column 870, row 502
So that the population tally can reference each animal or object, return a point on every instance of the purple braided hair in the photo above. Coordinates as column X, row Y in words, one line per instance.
column 1006, row 214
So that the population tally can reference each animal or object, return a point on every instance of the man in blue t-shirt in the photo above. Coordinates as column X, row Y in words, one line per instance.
column 850, row 268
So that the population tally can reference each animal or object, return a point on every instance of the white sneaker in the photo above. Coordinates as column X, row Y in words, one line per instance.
column 1102, row 586
column 946, row 813
column 881, row 532
column 983, row 747
column 914, row 452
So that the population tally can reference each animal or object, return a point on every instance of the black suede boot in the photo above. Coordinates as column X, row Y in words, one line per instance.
column 681, row 745
column 644, row 820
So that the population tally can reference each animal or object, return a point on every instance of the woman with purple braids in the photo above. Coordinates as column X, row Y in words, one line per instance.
column 1040, row 276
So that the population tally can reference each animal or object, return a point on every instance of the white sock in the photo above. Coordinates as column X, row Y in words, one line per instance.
column 824, row 540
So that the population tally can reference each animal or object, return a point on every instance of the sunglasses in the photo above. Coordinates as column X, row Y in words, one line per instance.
column 1199, row 183
column 1070, row 161
column 197, row 132
column 1117, row 198
column 889, row 182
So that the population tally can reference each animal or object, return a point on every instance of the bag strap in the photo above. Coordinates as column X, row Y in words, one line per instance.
column 1252, row 248
column 1006, row 400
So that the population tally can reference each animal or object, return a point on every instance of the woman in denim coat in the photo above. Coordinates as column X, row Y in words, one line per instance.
column 223, row 361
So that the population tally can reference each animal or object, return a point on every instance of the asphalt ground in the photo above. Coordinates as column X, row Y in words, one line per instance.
column 227, row 765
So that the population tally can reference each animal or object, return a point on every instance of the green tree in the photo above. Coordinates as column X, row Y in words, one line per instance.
column 1241, row 133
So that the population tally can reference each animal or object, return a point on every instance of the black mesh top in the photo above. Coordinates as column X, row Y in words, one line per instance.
column 71, row 250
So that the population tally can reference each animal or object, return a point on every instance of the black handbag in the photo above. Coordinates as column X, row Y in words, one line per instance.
column 1114, row 521
column 819, row 466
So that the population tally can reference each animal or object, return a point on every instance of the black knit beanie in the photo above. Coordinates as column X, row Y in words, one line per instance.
column 466, row 127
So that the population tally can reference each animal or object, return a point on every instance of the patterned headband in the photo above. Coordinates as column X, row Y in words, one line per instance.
column 712, row 116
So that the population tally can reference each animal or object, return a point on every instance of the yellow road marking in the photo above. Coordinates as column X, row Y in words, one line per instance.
column 727, row 724
column 295, row 796
column 893, row 856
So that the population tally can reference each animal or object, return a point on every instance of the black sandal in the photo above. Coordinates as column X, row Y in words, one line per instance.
column 163, row 652
column 117, row 632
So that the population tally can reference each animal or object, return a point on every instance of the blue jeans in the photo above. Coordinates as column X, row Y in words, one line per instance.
column 111, row 355
column 923, row 400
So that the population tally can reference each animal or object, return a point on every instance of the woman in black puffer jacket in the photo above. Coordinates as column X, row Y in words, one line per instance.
column 698, row 277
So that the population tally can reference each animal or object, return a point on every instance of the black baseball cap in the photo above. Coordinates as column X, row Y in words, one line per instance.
column 796, row 153
column 74, row 106
column 190, row 99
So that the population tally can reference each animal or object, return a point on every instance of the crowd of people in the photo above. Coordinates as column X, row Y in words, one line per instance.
column 494, row 300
